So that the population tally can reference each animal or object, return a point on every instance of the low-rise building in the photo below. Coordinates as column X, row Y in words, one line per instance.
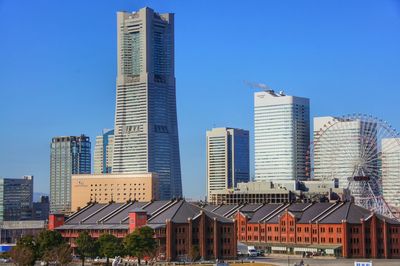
column 178, row 226
column 11, row 231
column 252, row 192
column 120, row 188
column 340, row 229
column 280, row 191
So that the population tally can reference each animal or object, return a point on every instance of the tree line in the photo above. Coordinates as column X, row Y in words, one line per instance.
column 50, row 247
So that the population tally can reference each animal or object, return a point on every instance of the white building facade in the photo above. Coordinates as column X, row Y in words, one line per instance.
column 340, row 146
column 281, row 136
column 391, row 172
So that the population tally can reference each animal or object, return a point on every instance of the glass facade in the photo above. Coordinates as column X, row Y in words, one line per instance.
column 227, row 158
column 146, row 129
column 69, row 155
column 103, row 152
column 16, row 198
column 282, row 136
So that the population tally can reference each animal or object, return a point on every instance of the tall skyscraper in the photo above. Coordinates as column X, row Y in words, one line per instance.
column 282, row 135
column 339, row 144
column 227, row 158
column 146, row 129
column 103, row 152
column 16, row 198
column 391, row 172
column 69, row 155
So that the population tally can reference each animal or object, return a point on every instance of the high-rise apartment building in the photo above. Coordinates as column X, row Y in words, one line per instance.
column 391, row 172
column 146, row 129
column 337, row 143
column 227, row 158
column 69, row 155
column 16, row 198
column 103, row 152
column 282, row 136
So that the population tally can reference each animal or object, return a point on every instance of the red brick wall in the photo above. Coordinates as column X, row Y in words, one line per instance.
column 55, row 220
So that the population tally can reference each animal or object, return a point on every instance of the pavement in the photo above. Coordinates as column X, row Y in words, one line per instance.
column 281, row 261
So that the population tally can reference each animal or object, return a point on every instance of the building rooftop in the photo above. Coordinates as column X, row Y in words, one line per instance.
column 115, row 215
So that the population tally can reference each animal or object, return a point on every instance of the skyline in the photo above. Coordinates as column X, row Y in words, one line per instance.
column 300, row 56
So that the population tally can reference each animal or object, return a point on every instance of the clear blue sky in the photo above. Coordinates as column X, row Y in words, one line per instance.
column 58, row 68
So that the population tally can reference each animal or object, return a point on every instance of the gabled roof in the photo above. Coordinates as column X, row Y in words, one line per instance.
column 224, row 209
column 115, row 215
column 314, row 211
column 263, row 212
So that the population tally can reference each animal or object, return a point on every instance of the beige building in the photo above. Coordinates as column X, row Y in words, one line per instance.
column 119, row 188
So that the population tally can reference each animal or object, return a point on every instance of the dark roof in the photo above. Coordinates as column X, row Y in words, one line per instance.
column 97, row 216
column 224, row 209
column 123, row 214
column 314, row 211
column 263, row 212
column 115, row 215
column 80, row 215
column 250, row 207
column 210, row 207
column 338, row 215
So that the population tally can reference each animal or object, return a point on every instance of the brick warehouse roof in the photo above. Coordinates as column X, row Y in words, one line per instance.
column 115, row 215
column 321, row 212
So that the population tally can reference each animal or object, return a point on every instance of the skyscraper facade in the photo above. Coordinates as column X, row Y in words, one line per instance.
column 338, row 143
column 227, row 158
column 281, row 135
column 391, row 172
column 16, row 198
column 146, row 129
column 68, row 155
column 103, row 152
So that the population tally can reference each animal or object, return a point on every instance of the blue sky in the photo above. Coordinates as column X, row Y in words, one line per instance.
column 58, row 68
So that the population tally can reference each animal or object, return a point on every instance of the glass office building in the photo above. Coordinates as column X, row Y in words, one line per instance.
column 69, row 155
column 103, row 152
column 227, row 158
column 16, row 198
column 146, row 128
column 281, row 136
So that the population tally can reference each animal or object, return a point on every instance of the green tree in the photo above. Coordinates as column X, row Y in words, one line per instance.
column 110, row 246
column 195, row 253
column 86, row 246
column 61, row 254
column 140, row 243
column 48, row 240
column 23, row 255
column 28, row 245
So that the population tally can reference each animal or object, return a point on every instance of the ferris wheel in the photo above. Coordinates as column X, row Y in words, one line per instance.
column 362, row 153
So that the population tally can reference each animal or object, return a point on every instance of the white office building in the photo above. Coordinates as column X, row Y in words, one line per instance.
column 227, row 158
column 282, row 136
column 340, row 146
column 391, row 172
